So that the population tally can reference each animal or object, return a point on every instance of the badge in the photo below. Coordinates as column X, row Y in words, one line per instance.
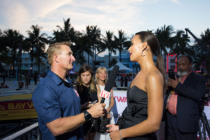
column 76, row 92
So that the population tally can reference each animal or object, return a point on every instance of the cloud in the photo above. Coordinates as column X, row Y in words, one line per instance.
column 176, row 1
column 108, row 14
column 22, row 14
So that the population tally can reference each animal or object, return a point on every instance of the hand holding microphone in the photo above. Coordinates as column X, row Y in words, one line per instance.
column 97, row 110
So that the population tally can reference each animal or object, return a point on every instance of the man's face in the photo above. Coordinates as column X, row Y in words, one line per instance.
column 184, row 66
column 66, row 58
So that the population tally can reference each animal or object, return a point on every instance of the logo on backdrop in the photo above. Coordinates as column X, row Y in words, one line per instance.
column 120, row 98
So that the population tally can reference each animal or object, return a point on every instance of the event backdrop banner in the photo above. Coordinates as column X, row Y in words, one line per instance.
column 120, row 97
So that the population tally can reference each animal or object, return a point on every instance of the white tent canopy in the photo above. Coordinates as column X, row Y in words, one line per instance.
column 121, row 67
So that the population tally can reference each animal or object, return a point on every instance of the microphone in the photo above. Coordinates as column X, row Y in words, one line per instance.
column 110, row 82
column 108, row 86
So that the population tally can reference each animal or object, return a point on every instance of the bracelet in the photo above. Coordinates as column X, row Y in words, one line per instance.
column 120, row 135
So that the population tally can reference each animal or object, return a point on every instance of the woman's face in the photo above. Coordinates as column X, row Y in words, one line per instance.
column 86, row 77
column 102, row 75
column 135, row 48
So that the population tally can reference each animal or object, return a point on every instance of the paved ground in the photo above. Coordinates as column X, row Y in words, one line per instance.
column 13, row 85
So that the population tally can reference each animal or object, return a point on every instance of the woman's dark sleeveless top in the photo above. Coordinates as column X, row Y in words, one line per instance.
column 135, row 112
column 85, row 96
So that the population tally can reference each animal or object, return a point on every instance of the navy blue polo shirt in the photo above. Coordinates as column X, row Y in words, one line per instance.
column 53, row 100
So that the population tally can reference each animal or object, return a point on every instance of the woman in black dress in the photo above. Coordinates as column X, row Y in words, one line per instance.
column 86, row 88
column 143, row 114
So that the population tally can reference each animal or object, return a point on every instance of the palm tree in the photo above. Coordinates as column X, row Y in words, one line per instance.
column 13, row 39
column 81, row 47
column 202, row 60
column 109, row 43
column 4, row 58
column 202, row 57
column 68, row 32
column 36, row 39
column 57, row 37
column 121, row 42
column 205, row 37
column 93, row 34
column 113, row 61
column 181, row 46
column 41, row 62
column 39, row 52
column 164, row 35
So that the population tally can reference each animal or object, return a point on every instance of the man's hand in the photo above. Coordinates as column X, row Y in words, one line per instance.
column 173, row 83
column 97, row 110
column 112, row 127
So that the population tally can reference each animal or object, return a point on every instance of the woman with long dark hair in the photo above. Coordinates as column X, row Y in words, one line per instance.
column 86, row 88
column 142, row 117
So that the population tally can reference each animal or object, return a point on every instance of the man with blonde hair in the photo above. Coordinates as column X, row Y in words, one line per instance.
column 56, row 101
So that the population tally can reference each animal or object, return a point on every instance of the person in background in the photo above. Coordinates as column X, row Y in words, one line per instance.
column 56, row 101
column 26, row 81
column 115, row 85
column 126, row 81
column 122, row 79
column 101, row 79
column 4, row 77
column 143, row 114
column 181, row 111
column 20, row 84
column 86, row 88
column 35, row 79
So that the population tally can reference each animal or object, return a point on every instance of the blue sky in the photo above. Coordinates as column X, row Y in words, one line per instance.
column 129, row 15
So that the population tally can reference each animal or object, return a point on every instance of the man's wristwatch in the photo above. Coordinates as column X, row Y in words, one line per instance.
column 87, row 115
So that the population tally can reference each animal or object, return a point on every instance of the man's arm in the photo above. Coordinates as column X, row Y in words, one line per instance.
column 68, row 124
column 49, row 112
column 194, row 93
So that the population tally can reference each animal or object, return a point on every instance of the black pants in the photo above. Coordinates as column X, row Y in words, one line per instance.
column 172, row 131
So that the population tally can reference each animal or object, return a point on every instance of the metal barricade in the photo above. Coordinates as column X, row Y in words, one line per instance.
column 31, row 132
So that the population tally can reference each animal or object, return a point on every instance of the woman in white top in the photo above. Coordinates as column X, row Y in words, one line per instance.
column 101, row 79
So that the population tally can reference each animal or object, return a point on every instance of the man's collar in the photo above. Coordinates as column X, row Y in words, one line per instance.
column 55, row 78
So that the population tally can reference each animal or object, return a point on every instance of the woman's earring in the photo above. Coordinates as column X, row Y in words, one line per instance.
column 142, row 53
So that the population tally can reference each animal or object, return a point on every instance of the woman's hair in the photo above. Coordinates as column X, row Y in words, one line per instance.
column 83, row 69
column 153, row 42
column 98, row 71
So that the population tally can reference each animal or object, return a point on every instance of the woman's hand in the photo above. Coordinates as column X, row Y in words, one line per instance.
column 108, row 116
column 112, row 127
column 115, row 135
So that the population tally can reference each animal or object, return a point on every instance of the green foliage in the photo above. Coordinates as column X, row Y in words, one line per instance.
column 121, row 42
column 92, row 42
column 113, row 62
